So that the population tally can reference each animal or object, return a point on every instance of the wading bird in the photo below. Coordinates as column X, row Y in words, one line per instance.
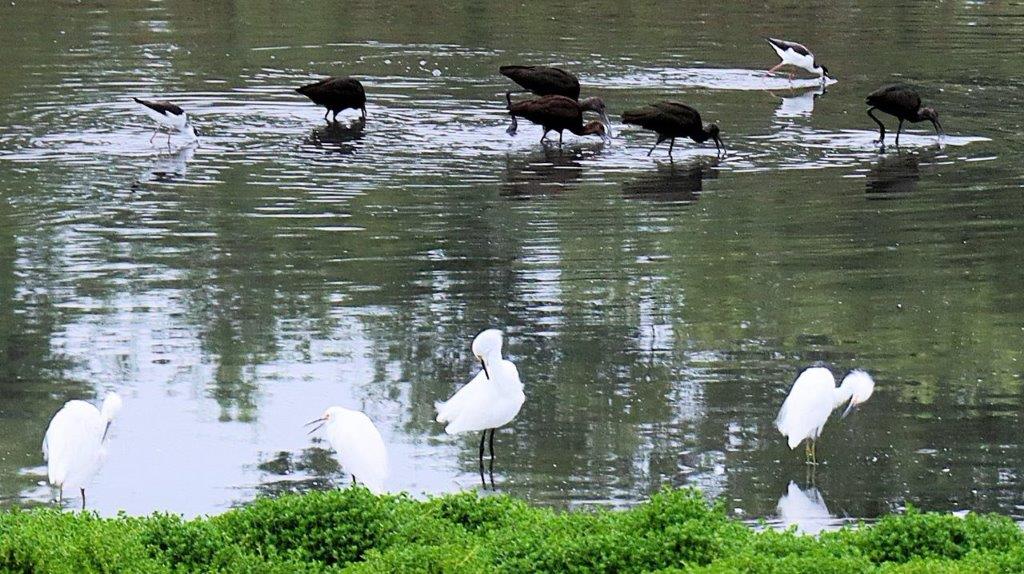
column 357, row 444
column 544, row 80
column 671, row 120
column 797, row 55
column 76, row 443
column 813, row 398
column 557, row 113
column 168, row 116
column 336, row 94
column 904, row 103
column 491, row 400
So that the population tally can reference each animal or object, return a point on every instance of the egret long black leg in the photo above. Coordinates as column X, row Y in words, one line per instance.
column 482, row 438
column 881, row 126
column 899, row 128
column 83, row 497
column 490, row 469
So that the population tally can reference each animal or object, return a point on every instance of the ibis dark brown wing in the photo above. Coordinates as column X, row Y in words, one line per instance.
column 666, row 118
column 161, row 106
column 784, row 45
column 895, row 99
column 544, row 80
column 555, row 112
column 335, row 93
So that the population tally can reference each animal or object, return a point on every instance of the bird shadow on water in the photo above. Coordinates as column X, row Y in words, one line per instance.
column 546, row 172
column 336, row 137
column 673, row 182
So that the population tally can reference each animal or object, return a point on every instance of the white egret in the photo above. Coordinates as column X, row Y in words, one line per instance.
column 358, row 445
column 76, row 443
column 813, row 398
column 491, row 400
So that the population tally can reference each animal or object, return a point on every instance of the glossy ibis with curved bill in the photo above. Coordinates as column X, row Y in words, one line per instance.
column 671, row 120
column 904, row 103
column 168, row 115
column 796, row 55
column 556, row 113
column 544, row 80
column 336, row 94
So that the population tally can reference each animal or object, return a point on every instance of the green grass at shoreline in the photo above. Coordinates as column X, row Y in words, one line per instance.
column 353, row 530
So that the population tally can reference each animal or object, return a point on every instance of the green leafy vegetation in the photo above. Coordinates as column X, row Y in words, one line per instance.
column 353, row 530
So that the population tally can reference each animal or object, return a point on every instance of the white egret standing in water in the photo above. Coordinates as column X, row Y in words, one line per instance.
column 813, row 398
column 76, row 443
column 357, row 444
column 491, row 400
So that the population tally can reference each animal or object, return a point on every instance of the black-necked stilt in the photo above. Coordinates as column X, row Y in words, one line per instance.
column 671, row 120
column 557, row 113
column 167, row 115
column 904, row 103
column 543, row 80
column 336, row 94
column 796, row 55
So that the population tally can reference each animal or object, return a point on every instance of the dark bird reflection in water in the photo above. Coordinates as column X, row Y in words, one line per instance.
column 893, row 176
column 797, row 103
column 337, row 137
column 312, row 469
column 168, row 166
column 675, row 182
column 805, row 508
column 546, row 172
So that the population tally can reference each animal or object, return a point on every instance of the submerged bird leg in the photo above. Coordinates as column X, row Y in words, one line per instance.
column 544, row 136
column 650, row 151
column 327, row 113
column 671, row 144
column 559, row 139
column 363, row 109
column 168, row 140
column 154, row 134
column 881, row 126
column 899, row 128
column 60, row 494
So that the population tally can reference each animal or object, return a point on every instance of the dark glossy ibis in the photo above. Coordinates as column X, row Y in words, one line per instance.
column 796, row 55
column 671, row 120
column 904, row 103
column 544, row 80
column 336, row 94
column 556, row 113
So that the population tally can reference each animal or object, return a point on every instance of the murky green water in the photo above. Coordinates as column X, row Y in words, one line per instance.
column 657, row 311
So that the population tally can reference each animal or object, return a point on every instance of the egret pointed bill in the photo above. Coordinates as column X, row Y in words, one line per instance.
column 850, row 408
column 322, row 422
column 484, row 365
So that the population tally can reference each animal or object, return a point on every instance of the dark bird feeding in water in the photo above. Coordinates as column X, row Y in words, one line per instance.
column 904, row 103
column 336, row 94
column 557, row 113
column 167, row 115
column 671, row 120
column 543, row 80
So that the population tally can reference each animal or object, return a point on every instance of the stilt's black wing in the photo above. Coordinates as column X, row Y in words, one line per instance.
column 161, row 107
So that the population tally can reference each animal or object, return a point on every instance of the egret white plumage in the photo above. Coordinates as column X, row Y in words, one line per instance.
column 168, row 115
column 804, row 508
column 491, row 400
column 76, row 442
column 813, row 398
column 357, row 444
column 797, row 55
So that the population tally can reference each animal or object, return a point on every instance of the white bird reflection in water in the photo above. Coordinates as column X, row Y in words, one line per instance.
column 804, row 508
column 797, row 103
column 169, row 166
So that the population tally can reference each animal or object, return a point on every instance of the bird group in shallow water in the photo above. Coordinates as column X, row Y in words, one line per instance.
column 558, row 106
